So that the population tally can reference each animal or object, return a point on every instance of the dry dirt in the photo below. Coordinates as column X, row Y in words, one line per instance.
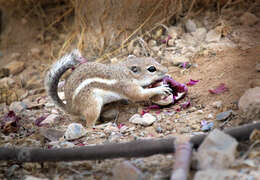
column 235, row 67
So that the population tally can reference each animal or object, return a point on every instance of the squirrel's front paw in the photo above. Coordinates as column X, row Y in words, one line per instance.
column 164, row 90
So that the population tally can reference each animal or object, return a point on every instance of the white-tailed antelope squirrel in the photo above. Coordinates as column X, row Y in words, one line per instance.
column 91, row 85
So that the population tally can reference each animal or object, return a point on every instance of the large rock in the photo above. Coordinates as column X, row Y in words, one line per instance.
column 217, row 151
column 190, row 26
column 248, row 19
column 127, row 171
column 200, row 34
column 249, row 103
column 213, row 36
column 15, row 67
column 214, row 174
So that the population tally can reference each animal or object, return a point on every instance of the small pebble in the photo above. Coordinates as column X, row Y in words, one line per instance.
column 171, row 42
column 217, row 104
column 159, row 129
column 224, row 115
column 210, row 116
column 74, row 131
column 207, row 127
column 152, row 43
column 200, row 112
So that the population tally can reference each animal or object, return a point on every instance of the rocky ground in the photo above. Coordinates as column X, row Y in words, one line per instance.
column 221, row 56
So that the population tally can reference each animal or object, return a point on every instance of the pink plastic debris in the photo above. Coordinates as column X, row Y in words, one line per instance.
column 154, row 106
column 219, row 89
column 9, row 123
column 192, row 82
column 39, row 120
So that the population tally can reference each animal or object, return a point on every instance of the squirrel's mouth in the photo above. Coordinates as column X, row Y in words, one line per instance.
column 178, row 91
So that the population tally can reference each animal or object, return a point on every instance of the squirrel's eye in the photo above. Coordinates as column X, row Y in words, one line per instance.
column 151, row 69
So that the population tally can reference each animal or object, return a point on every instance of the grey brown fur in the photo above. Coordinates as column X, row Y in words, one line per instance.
column 101, row 84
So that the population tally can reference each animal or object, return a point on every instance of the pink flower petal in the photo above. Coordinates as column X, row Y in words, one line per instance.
column 185, row 105
column 192, row 82
column 39, row 120
column 158, row 112
column 120, row 126
column 154, row 106
column 219, row 89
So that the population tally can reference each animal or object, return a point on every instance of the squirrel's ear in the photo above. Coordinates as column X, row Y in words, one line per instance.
column 135, row 69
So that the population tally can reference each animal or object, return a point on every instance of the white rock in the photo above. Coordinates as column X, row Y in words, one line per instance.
column 217, row 151
column 213, row 36
column 200, row 34
column 217, row 104
column 50, row 119
column 190, row 26
column 200, row 111
column 210, row 116
column 146, row 120
column 74, row 131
